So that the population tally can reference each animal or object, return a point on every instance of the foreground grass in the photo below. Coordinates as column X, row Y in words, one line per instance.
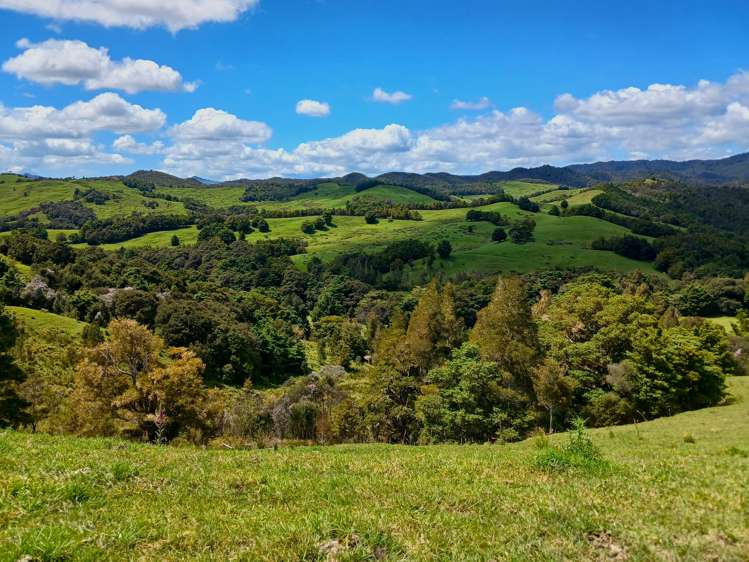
column 664, row 497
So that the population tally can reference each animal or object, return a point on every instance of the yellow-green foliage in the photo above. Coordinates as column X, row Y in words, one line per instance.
column 661, row 499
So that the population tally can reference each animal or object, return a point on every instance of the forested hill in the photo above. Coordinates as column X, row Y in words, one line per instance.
column 727, row 171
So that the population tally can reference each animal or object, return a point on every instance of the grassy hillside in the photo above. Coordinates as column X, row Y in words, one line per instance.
column 673, row 489
column 38, row 321
column 18, row 196
column 325, row 195
column 559, row 241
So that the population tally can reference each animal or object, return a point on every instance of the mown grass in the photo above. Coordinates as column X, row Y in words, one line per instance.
column 38, row 321
column 660, row 498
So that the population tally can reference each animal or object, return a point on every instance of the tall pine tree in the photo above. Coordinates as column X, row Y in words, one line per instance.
column 506, row 333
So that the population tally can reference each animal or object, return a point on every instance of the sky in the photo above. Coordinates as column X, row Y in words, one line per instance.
column 223, row 89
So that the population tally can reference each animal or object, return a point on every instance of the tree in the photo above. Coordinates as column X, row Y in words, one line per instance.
column 132, row 385
column 499, row 235
column 444, row 249
column 564, row 204
column 468, row 399
column 92, row 335
column 370, row 217
column 262, row 226
column 554, row 211
column 12, row 406
column 340, row 340
column 175, row 240
column 433, row 329
column 553, row 388
column 521, row 230
column 505, row 331
column 328, row 217
column 308, row 227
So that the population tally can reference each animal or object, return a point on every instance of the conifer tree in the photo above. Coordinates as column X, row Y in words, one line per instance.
column 505, row 332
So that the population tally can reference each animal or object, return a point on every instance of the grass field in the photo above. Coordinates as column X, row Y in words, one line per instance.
column 187, row 236
column 37, row 321
column 559, row 241
column 16, row 197
column 675, row 489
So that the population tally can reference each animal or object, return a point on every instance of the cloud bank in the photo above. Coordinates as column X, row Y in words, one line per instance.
column 706, row 120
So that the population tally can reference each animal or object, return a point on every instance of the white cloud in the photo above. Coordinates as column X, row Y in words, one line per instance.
column 211, row 124
column 44, row 137
column 127, row 143
column 313, row 108
column 380, row 95
column 662, row 121
column 478, row 105
column 105, row 112
column 172, row 14
column 74, row 62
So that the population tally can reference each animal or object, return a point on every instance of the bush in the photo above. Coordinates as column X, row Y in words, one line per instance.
column 444, row 249
column 499, row 235
column 578, row 453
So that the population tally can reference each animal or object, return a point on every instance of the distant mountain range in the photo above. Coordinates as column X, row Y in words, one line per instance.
column 732, row 171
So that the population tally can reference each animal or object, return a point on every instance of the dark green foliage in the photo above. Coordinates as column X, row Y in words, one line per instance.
column 632, row 247
column 521, row 230
column 276, row 189
column 29, row 249
column 119, row 229
column 174, row 242
column 527, row 205
column 554, row 211
column 493, row 217
column 444, row 249
column 216, row 230
column 12, row 406
column 370, row 217
column 499, row 235
column 469, row 399
column 136, row 304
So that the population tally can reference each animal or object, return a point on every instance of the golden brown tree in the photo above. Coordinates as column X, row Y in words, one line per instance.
column 132, row 385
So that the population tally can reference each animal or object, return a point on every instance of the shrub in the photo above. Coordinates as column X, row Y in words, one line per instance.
column 578, row 453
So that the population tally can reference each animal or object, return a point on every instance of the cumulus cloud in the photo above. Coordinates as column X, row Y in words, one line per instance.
column 313, row 108
column 44, row 137
column 140, row 14
column 478, row 105
column 209, row 124
column 74, row 62
column 380, row 95
column 127, row 143
column 662, row 121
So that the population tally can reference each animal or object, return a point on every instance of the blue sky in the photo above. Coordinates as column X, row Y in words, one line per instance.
column 220, row 95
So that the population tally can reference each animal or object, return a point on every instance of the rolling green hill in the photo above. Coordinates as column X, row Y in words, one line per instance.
column 672, row 489
column 18, row 195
